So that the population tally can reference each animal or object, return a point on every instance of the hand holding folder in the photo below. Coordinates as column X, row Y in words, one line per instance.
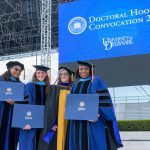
column 11, row 91
column 11, row 102
column 25, row 115
column 27, row 127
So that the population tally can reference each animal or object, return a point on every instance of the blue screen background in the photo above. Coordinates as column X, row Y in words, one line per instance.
column 89, row 44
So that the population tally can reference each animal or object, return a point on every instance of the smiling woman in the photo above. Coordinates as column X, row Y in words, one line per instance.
column 38, row 89
column 90, row 134
column 54, row 132
column 14, row 69
column 65, row 76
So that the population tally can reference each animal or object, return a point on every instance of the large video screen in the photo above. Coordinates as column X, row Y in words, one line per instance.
column 106, row 33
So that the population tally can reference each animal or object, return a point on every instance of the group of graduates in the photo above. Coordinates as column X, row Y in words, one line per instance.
column 58, row 133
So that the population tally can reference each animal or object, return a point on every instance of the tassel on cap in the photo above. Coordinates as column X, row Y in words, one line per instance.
column 24, row 75
column 92, row 72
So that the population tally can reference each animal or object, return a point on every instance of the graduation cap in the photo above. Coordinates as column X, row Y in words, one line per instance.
column 88, row 64
column 11, row 64
column 68, row 70
column 85, row 63
column 41, row 68
column 71, row 73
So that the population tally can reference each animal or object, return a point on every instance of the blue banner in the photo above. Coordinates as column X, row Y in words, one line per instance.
column 100, row 29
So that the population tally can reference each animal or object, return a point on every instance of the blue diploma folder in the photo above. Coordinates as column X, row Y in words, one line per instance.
column 11, row 90
column 82, row 107
column 24, row 114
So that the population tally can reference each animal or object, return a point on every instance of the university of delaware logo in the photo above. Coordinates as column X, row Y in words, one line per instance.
column 28, row 115
column 77, row 25
column 8, row 91
column 81, row 106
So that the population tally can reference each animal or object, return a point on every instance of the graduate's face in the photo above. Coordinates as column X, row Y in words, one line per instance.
column 15, row 71
column 84, row 71
column 41, row 75
column 64, row 76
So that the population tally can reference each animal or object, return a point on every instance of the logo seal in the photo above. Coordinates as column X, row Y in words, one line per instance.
column 29, row 113
column 77, row 25
column 82, row 104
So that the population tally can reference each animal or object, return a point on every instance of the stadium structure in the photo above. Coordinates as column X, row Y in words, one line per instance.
column 28, row 27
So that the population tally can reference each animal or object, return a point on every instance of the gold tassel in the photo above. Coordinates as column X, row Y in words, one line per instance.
column 49, row 75
column 24, row 75
column 72, row 77
column 92, row 72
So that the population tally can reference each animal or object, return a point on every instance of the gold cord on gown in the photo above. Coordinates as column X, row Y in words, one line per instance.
column 62, row 123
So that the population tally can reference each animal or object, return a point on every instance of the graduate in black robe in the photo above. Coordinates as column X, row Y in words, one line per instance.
column 8, row 135
column 55, row 126
column 91, row 135
column 29, row 138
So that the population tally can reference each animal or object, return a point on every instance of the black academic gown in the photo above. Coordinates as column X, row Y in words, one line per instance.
column 40, row 92
column 8, row 135
column 48, row 139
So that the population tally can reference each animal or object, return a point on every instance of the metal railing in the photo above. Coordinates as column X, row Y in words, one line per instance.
column 132, row 107
column 131, row 99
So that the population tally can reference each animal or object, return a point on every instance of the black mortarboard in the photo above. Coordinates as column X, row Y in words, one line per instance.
column 11, row 64
column 85, row 63
column 41, row 68
column 66, row 68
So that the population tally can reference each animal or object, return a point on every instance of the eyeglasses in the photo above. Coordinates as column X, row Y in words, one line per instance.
column 63, row 74
column 18, row 70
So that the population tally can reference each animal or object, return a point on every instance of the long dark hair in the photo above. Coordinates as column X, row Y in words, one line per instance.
column 47, row 81
column 6, row 76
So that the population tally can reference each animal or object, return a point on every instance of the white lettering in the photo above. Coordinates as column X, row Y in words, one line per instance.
column 136, row 12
